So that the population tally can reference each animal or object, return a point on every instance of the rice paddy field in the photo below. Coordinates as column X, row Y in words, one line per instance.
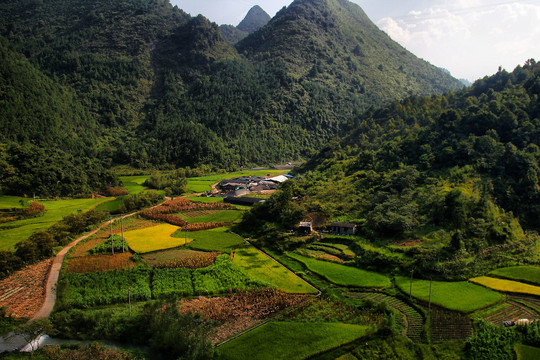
column 220, row 239
column 291, row 340
column 15, row 231
column 525, row 352
column 342, row 274
column 507, row 285
column 529, row 274
column 262, row 268
column 155, row 238
column 461, row 296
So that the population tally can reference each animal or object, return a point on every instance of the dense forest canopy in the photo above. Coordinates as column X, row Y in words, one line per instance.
column 141, row 83
column 457, row 174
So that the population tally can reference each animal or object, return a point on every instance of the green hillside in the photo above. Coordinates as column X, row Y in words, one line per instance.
column 449, row 184
column 150, row 86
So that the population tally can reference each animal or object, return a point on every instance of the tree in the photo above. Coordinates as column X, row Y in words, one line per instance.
column 183, row 336
column 32, row 330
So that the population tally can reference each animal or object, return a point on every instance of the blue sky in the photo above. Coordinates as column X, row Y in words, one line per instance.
column 471, row 38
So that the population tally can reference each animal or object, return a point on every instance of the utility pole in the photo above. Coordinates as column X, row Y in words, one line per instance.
column 122, row 230
column 112, row 242
column 429, row 309
column 410, row 288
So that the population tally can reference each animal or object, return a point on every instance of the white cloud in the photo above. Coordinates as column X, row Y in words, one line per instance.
column 470, row 38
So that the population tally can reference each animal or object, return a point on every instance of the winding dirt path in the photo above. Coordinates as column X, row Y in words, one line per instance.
column 50, row 290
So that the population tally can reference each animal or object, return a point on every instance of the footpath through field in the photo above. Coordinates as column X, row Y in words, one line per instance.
column 50, row 290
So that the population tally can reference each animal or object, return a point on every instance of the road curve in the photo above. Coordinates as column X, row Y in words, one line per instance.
column 50, row 290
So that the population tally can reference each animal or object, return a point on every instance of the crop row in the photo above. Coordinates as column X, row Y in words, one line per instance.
column 511, row 311
column 204, row 226
column 181, row 204
column 94, row 289
column 449, row 325
column 197, row 261
column 414, row 321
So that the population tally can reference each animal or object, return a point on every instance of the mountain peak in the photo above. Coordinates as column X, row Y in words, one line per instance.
column 255, row 19
column 333, row 42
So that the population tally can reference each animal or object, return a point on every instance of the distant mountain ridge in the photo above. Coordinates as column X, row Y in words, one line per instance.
column 160, row 88
column 255, row 19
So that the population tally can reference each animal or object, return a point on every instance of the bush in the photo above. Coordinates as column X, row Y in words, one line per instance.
column 531, row 333
column 491, row 342
column 110, row 191
column 140, row 201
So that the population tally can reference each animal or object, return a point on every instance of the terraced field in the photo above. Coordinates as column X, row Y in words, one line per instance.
column 447, row 325
column 511, row 310
column 414, row 322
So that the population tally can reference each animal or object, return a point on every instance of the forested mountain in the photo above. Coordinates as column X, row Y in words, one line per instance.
column 255, row 19
column 150, row 86
column 457, row 173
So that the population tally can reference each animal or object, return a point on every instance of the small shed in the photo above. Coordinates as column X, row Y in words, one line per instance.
column 305, row 228
column 341, row 228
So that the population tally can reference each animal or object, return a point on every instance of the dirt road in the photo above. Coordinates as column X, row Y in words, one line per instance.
column 50, row 291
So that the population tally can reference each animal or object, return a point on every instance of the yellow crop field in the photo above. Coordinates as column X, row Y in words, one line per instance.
column 507, row 285
column 154, row 238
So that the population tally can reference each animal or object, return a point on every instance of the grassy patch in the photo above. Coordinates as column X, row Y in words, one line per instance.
column 134, row 184
column 15, row 231
column 507, row 285
column 291, row 340
column 154, row 238
column 218, row 216
column 342, row 274
column 460, row 296
column 260, row 267
column 112, row 206
column 529, row 274
column 525, row 352
column 219, row 239
column 9, row 202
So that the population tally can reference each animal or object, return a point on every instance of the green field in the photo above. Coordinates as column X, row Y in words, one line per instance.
column 9, row 202
column 134, row 184
column 530, row 274
column 525, row 352
column 291, row 340
column 154, row 238
column 231, row 216
column 461, row 296
column 342, row 274
column 507, row 285
column 15, row 231
column 260, row 267
column 214, row 240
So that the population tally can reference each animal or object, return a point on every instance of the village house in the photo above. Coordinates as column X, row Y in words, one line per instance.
column 341, row 228
column 305, row 228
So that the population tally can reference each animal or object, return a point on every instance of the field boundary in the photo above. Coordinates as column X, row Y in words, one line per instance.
column 263, row 322
column 56, row 267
